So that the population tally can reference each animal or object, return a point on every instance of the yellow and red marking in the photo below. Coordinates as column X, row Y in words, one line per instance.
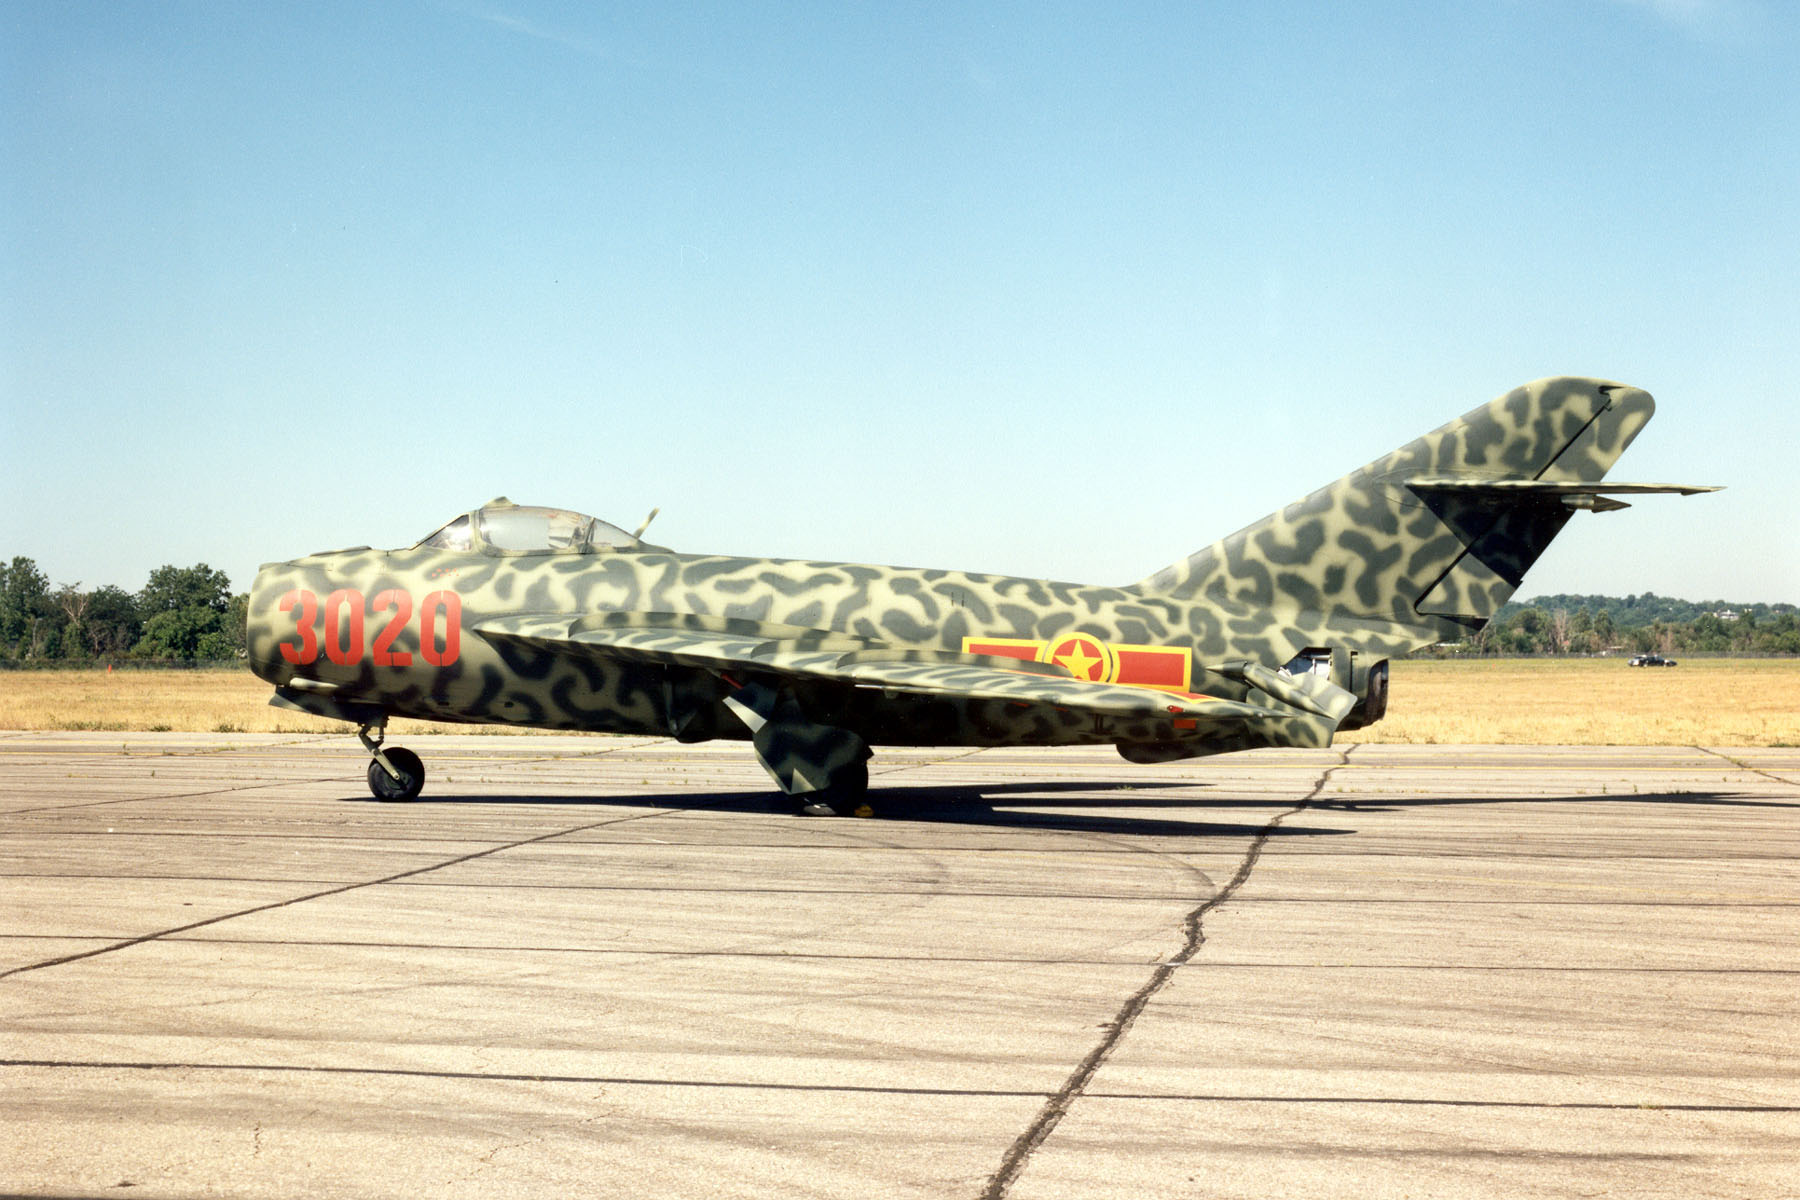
column 1165, row 668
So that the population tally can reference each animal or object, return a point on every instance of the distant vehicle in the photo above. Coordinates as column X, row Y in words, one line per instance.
column 1650, row 660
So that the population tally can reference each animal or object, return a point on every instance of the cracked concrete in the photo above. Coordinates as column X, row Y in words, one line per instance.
column 1427, row 970
column 1194, row 937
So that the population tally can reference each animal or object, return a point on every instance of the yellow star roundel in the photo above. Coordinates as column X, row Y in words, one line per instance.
column 1082, row 656
column 1165, row 668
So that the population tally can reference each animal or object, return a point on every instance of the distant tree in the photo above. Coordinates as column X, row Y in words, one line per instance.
column 111, row 625
column 237, row 620
column 1483, row 639
column 1605, row 633
column 216, row 646
column 1528, row 632
column 26, row 609
column 180, row 633
column 172, row 588
column 1581, row 632
column 1708, row 633
column 1665, row 637
column 1780, row 636
column 183, row 610
column 1558, row 631
column 73, row 604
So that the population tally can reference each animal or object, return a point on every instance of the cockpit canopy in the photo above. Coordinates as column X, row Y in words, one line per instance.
column 502, row 527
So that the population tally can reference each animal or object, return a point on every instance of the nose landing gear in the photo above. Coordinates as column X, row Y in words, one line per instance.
column 395, row 774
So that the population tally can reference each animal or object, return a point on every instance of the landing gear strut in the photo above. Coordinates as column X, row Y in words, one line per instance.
column 826, row 769
column 395, row 774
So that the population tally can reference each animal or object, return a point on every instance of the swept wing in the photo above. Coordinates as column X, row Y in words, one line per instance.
column 726, row 647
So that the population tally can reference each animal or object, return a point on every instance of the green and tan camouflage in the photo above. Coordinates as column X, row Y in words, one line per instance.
column 1278, row 635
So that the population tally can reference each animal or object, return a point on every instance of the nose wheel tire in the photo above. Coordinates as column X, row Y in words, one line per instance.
column 411, row 781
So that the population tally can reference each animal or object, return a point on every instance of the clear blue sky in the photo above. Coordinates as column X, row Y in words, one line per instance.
column 1051, row 290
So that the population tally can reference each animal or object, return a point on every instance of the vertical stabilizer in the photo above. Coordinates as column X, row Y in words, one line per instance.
column 1371, row 547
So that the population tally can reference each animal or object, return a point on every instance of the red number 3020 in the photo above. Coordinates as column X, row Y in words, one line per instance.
column 347, row 619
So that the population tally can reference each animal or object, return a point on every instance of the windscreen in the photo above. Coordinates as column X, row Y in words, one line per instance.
column 454, row 536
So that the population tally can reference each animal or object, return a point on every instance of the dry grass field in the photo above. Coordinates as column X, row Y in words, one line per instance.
column 1714, row 702
column 218, row 700
column 1592, row 702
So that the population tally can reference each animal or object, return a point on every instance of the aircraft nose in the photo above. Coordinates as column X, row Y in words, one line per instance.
column 264, row 621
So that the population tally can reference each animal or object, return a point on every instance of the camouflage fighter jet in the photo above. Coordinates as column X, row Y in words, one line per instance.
column 1278, row 635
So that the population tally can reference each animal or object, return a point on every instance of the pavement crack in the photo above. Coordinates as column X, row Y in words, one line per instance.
column 1057, row 1106
column 853, row 1089
column 929, row 762
column 1741, row 765
column 221, row 791
column 127, row 943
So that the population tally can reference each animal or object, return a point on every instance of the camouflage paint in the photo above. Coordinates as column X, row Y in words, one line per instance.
column 639, row 639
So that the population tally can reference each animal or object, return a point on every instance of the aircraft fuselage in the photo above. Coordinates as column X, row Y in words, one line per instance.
column 397, row 630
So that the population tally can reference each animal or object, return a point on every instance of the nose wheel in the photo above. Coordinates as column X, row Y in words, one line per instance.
column 411, row 778
column 395, row 774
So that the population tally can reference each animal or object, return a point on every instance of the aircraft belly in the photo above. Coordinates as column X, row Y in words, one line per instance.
column 916, row 720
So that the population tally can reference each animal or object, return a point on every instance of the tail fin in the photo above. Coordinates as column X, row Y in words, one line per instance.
column 1440, row 531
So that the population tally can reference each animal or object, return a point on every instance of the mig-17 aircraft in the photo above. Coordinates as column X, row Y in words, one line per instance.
column 1279, row 635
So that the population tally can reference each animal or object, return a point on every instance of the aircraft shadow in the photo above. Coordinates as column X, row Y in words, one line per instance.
column 1397, row 803
column 1044, row 805
column 1025, row 806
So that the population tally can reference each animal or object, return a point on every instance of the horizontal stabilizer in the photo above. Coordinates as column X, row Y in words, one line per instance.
column 1594, row 496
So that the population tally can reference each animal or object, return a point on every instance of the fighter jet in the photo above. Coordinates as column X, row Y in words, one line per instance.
column 1278, row 635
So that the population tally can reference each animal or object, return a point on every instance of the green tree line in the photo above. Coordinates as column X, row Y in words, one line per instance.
column 1633, row 625
column 182, row 613
column 1631, row 612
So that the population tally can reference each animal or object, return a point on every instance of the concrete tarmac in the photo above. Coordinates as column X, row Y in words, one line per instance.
column 610, row 967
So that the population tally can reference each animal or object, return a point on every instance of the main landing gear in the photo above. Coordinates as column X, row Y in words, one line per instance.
column 825, row 768
column 845, row 796
column 395, row 774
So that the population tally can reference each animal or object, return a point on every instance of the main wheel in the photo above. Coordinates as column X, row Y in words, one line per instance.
column 411, row 781
column 845, row 796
